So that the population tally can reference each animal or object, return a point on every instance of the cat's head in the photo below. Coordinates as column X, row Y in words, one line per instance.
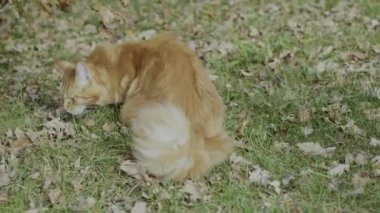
column 83, row 86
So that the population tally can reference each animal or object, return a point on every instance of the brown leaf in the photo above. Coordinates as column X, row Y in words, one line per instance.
column 352, row 129
column 375, row 162
column 124, row 3
column 276, row 186
column 52, row 180
column 89, row 122
column 59, row 129
column 338, row 169
column 134, row 170
column 360, row 180
column 139, row 207
column 77, row 185
column 19, row 145
column 311, row 148
column 19, row 133
column 106, row 16
column 196, row 191
column 5, row 176
column 304, row 114
column 109, row 127
column 259, row 176
column 55, row 196
column 307, row 130
column 241, row 128
column 77, row 164
column 374, row 142
column 147, row 34
column 353, row 56
column 360, row 159
column 246, row 73
column 9, row 134
column 349, row 158
column 84, row 204
column 3, row 198
column 64, row 4
column 237, row 160
column 281, row 146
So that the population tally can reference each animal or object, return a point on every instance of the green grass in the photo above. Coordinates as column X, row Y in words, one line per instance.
column 269, row 100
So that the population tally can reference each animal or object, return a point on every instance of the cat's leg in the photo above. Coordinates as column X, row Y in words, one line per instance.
column 130, row 108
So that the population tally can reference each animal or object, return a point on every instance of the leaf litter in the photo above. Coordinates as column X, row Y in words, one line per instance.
column 315, row 149
column 300, row 23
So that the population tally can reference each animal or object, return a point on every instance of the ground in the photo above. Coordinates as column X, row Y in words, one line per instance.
column 300, row 80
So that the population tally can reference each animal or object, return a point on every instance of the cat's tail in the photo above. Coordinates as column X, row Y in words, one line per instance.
column 167, row 146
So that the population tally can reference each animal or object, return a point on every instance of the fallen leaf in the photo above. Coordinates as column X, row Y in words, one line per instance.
column 237, row 160
column 134, row 170
column 9, row 133
column 333, row 185
column 246, row 73
column 84, row 204
column 139, row 207
column 4, row 176
column 35, row 175
column 376, row 159
column 196, row 191
column 349, row 158
column 374, row 142
column 76, row 183
column 307, row 130
column 281, row 146
column 315, row 149
column 360, row 159
column 77, row 164
column 287, row 180
column 15, row 147
column 89, row 122
column 304, row 115
column 52, row 180
column 376, row 49
column 356, row 191
column 226, row 48
column 106, row 16
column 276, row 185
column 19, row 133
column 55, row 196
column 259, row 176
column 373, row 114
column 3, row 198
column 64, row 4
column 33, row 136
column 353, row 56
column 147, row 34
column 59, row 129
column 376, row 165
column 90, row 29
column 352, row 129
column 360, row 180
column 124, row 3
column 240, row 129
column 109, row 127
column 338, row 169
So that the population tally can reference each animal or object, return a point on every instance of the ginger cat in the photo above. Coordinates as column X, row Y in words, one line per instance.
column 174, row 110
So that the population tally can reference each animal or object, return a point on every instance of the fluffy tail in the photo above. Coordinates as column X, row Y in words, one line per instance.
column 167, row 146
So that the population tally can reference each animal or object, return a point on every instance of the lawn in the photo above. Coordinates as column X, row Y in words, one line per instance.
column 300, row 80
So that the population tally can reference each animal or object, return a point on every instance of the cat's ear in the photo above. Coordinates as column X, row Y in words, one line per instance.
column 82, row 74
column 64, row 66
